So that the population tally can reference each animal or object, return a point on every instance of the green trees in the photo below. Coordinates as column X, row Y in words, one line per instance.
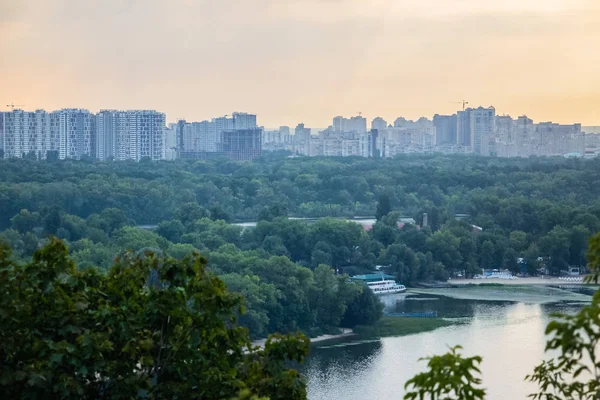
column 364, row 309
column 331, row 296
column 450, row 377
column 152, row 327
column 100, row 208
column 383, row 206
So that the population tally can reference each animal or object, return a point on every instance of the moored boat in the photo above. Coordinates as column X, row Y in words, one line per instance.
column 386, row 286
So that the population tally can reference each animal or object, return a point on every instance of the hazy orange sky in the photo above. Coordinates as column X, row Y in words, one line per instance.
column 293, row 61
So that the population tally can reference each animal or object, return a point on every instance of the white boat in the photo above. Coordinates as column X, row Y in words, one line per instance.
column 386, row 286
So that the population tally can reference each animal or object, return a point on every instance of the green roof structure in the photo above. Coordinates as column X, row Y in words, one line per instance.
column 372, row 277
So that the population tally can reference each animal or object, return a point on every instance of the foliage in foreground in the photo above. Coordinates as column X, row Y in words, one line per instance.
column 152, row 327
column 449, row 375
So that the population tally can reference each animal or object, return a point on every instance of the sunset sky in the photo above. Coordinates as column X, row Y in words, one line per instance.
column 293, row 61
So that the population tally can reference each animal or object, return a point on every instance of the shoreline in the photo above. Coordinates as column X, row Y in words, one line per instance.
column 519, row 281
column 531, row 294
column 346, row 332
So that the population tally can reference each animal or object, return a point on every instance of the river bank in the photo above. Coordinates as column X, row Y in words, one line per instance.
column 386, row 327
column 400, row 326
column 346, row 332
column 532, row 294
column 536, row 280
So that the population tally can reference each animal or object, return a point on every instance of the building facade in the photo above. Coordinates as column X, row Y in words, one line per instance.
column 378, row 123
column 129, row 135
column 445, row 129
column 221, row 137
column 483, row 126
column 356, row 124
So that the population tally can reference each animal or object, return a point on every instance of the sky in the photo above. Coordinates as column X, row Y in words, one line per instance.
column 291, row 61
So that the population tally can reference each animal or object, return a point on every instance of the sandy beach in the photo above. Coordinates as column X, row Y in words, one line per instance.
column 519, row 281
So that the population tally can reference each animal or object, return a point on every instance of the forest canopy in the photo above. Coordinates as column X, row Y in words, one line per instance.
column 527, row 215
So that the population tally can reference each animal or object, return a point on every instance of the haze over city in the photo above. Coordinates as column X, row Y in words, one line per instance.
column 304, row 61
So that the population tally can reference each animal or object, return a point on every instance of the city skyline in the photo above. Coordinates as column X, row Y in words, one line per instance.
column 315, row 129
column 290, row 62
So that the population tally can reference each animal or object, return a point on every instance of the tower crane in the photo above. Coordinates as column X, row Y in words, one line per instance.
column 463, row 102
column 12, row 106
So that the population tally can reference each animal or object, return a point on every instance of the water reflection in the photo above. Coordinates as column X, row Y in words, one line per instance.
column 509, row 336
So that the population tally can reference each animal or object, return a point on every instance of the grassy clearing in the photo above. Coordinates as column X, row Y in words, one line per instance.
column 399, row 326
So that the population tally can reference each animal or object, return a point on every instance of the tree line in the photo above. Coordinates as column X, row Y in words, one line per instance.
column 534, row 213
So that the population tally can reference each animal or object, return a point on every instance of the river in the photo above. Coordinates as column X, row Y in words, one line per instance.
column 508, row 335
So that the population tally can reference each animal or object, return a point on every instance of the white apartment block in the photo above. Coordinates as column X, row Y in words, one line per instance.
column 111, row 135
column 356, row 124
column 76, row 133
column 145, row 134
column 129, row 135
column 18, row 133
column 378, row 123
column 205, row 138
column 482, row 126
column 29, row 133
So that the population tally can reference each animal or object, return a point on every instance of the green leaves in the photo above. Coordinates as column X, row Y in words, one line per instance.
column 152, row 327
column 575, row 372
column 450, row 377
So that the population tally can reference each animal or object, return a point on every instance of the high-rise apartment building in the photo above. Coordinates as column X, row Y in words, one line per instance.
column 483, row 126
column 1, row 134
column 244, row 120
column 505, row 137
column 463, row 128
column 30, row 133
column 378, row 123
column 129, row 135
column 112, row 135
column 338, row 123
column 301, row 133
column 241, row 144
column 18, row 133
column 475, row 128
column 284, row 134
column 145, row 134
column 445, row 129
column 556, row 139
column 76, row 133
column 205, row 139
column 170, row 142
column 356, row 124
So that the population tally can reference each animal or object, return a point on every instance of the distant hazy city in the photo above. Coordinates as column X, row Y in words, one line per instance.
column 144, row 134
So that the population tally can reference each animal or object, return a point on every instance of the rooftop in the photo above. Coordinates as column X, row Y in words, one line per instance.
column 372, row 277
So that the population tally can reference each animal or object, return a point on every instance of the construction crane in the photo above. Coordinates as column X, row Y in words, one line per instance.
column 463, row 102
column 12, row 106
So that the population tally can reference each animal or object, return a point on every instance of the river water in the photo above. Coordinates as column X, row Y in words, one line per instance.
column 508, row 335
